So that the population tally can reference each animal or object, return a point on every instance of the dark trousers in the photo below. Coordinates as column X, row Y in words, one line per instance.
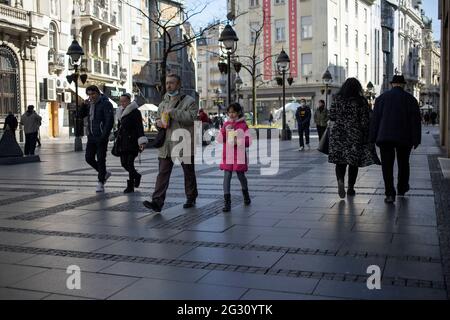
column 30, row 143
column 163, row 180
column 388, row 153
column 127, row 161
column 97, row 150
column 303, row 130
column 341, row 169
column 321, row 131
column 227, row 181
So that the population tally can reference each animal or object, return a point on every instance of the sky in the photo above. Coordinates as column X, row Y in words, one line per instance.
column 216, row 9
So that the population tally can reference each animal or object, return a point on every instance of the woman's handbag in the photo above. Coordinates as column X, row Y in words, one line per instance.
column 116, row 148
column 325, row 142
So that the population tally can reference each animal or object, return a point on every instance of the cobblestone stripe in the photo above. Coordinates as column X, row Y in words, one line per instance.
column 37, row 193
column 398, row 282
column 186, row 220
column 247, row 247
column 441, row 188
column 65, row 207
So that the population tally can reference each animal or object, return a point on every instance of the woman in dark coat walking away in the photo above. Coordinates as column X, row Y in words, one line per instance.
column 131, row 139
column 349, row 135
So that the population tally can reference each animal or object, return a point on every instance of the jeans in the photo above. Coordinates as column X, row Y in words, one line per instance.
column 30, row 143
column 352, row 174
column 388, row 153
column 97, row 149
column 162, row 182
column 227, row 181
column 303, row 130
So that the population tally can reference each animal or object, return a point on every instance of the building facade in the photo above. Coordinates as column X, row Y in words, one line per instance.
column 212, row 85
column 148, row 48
column 444, row 16
column 341, row 36
column 431, row 68
column 410, row 40
column 35, row 36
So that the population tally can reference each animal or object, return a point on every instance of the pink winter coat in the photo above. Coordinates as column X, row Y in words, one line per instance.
column 234, row 156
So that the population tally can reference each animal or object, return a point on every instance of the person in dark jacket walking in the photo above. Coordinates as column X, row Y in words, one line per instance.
column 396, row 128
column 321, row 119
column 99, row 119
column 303, row 116
column 349, row 135
column 131, row 139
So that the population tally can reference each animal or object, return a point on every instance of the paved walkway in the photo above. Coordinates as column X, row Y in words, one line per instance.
column 297, row 240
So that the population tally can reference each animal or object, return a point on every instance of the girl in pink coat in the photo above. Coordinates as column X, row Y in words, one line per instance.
column 236, row 139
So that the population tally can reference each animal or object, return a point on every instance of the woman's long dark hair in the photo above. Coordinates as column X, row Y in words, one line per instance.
column 351, row 88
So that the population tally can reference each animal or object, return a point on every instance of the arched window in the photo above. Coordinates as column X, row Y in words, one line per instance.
column 53, row 37
column 9, row 82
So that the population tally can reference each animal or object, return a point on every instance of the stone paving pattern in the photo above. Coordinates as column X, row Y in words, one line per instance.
column 297, row 241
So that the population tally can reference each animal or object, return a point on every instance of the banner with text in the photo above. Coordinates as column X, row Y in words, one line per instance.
column 267, row 39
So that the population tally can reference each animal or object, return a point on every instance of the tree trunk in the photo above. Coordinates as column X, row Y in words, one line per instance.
column 255, row 111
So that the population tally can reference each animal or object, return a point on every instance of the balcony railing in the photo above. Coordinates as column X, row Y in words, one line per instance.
column 103, row 68
column 13, row 13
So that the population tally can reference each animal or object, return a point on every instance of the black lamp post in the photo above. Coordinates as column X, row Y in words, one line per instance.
column 229, row 40
column 283, row 65
column 327, row 79
column 75, row 53
column 238, row 82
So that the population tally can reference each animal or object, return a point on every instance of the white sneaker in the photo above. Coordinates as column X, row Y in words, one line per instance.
column 108, row 175
column 100, row 188
column 309, row 148
column 301, row 149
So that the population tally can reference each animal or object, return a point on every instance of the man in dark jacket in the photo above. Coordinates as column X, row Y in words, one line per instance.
column 99, row 118
column 396, row 128
column 11, row 122
column 303, row 116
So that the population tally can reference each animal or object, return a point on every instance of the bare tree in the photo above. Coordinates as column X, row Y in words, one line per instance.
column 251, row 66
column 168, row 21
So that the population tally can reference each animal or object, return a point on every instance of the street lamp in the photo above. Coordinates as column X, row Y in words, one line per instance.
column 229, row 40
column 75, row 53
column 283, row 64
column 238, row 82
column 327, row 79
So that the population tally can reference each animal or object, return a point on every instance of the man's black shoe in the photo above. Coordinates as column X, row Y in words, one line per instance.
column 152, row 206
column 390, row 199
column 189, row 204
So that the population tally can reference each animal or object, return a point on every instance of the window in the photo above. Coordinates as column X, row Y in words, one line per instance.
column 280, row 30
column 336, row 67
column 52, row 37
column 307, row 63
column 365, row 15
column 356, row 39
column 365, row 43
column 365, row 73
column 54, row 7
column 335, row 29
column 253, row 3
column 346, row 5
column 254, row 27
column 346, row 35
column 356, row 8
column 120, row 12
column 346, row 68
column 278, row 2
column 357, row 69
column 307, row 31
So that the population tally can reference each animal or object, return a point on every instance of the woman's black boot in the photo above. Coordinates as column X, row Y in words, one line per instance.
column 227, row 206
column 137, row 180
column 247, row 200
column 130, row 187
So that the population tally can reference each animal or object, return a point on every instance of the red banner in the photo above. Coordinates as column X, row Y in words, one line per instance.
column 267, row 39
column 293, row 51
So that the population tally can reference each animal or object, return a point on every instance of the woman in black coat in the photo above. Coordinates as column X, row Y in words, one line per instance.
column 131, row 139
column 349, row 134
